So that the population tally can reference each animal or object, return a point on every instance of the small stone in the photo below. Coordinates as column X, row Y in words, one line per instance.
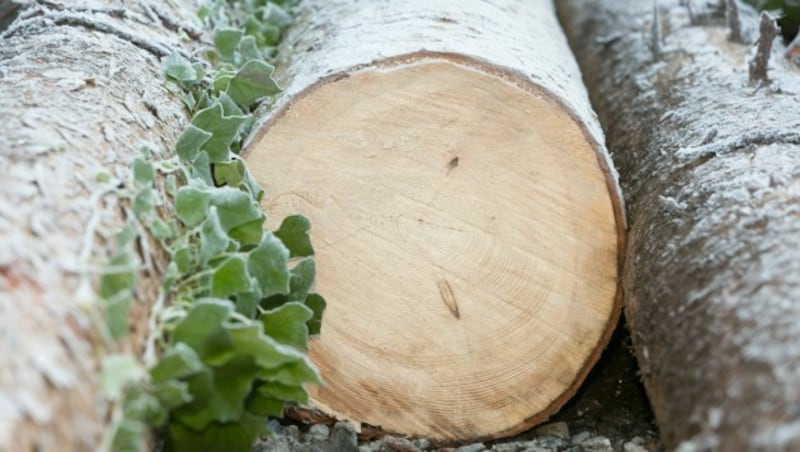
column 274, row 426
column 422, row 443
column 508, row 447
column 318, row 432
column 365, row 448
column 581, row 437
column 475, row 447
column 597, row 444
column 547, row 443
column 556, row 429
column 393, row 444
column 634, row 446
column 291, row 431
column 343, row 438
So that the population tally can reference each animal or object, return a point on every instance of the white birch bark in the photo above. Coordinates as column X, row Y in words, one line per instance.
column 709, row 165
column 78, row 98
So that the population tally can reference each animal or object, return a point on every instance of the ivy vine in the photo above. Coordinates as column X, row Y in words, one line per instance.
column 229, row 330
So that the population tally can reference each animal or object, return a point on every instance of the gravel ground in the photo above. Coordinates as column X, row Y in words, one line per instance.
column 609, row 413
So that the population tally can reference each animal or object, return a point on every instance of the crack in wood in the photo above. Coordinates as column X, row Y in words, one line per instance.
column 448, row 297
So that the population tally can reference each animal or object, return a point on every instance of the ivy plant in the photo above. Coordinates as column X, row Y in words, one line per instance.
column 229, row 331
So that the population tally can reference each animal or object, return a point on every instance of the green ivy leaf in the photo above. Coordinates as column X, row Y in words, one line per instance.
column 235, row 207
column 161, row 230
column 264, row 406
column 267, row 263
column 144, row 202
column 201, row 170
column 226, row 40
column 292, row 373
column 213, row 239
column 236, row 436
column 276, row 16
column 249, row 233
column 287, row 324
column 253, row 187
column 191, row 141
column 252, row 82
column 294, row 234
column 229, row 106
column 172, row 394
column 247, row 303
column 118, row 371
column 280, row 391
column 184, row 259
column 142, row 172
column 231, row 278
column 248, row 48
column 224, row 128
column 179, row 69
column 268, row 354
column 317, row 304
column 229, row 173
column 179, row 361
column 191, row 204
column 202, row 330
column 129, row 436
column 302, row 279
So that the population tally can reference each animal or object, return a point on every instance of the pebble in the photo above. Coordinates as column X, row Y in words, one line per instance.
column 343, row 438
column 581, row 437
column 555, row 429
column 636, row 444
column 596, row 444
column 553, row 437
column 392, row 444
column 318, row 432
column 475, row 447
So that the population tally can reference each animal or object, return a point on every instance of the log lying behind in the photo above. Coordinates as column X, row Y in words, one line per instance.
column 710, row 169
column 75, row 103
column 466, row 218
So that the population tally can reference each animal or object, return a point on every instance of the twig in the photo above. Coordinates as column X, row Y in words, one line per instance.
column 734, row 21
column 655, row 34
column 768, row 31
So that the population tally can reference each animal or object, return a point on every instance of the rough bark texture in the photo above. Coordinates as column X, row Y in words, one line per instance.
column 460, row 72
column 711, row 171
column 78, row 100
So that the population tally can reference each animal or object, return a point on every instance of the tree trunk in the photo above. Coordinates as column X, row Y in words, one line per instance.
column 709, row 164
column 79, row 99
column 466, row 217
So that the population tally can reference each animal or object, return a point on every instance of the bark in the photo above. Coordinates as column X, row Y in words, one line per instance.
column 82, row 91
column 709, row 166
column 370, row 133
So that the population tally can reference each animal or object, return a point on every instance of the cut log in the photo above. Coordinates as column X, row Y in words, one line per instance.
column 76, row 102
column 710, row 169
column 467, row 221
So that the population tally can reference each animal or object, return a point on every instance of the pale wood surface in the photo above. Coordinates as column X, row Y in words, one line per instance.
column 466, row 243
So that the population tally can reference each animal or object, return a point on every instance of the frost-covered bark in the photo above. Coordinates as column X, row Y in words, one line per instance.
column 710, row 166
column 78, row 100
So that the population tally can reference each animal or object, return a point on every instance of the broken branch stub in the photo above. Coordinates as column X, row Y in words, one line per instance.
column 759, row 65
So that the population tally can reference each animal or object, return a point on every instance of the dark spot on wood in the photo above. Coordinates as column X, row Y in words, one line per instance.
column 446, row 20
column 448, row 297
column 152, row 109
column 453, row 164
